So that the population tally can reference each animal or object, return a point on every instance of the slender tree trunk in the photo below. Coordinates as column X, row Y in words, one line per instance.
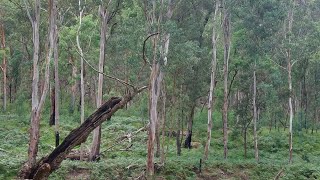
column 156, row 78
column 36, row 104
column 316, row 103
column 95, row 148
column 178, row 142
column 75, row 83
column 305, row 94
column 163, row 112
column 212, row 82
column 289, row 67
column 81, row 75
column 256, row 151
column 52, row 113
column 245, row 142
column 226, row 34
column 4, row 67
column 56, row 78
column 187, row 142
column 34, row 130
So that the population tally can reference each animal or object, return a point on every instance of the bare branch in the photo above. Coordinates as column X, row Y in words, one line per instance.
column 28, row 12
column 144, row 47
column 278, row 65
column 108, row 76
column 145, row 60
column 124, row 137
column 294, row 63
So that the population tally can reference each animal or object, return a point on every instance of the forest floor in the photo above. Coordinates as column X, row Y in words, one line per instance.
column 121, row 162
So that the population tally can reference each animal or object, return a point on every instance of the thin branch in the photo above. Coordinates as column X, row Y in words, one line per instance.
column 294, row 62
column 108, row 76
column 278, row 65
column 28, row 13
column 145, row 60
column 233, row 78
column 113, row 12
column 124, row 137
column 144, row 47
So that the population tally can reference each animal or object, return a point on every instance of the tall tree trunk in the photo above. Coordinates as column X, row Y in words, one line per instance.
column 81, row 74
column 95, row 148
column 156, row 78
column 316, row 103
column 212, row 82
column 34, row 130
column 256, row 151
column 289, row 67
column 56, row 76
column 4, row 67
column 36, row 104
column 226, row 34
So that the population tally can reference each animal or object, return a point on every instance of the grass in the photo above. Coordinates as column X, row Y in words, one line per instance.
column 117, row 164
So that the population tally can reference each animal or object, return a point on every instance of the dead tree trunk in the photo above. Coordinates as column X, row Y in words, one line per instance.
column 46, row 165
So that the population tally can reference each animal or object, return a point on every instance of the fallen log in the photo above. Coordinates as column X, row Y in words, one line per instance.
column 46, row 165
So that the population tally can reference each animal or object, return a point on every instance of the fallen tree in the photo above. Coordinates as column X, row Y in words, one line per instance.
column 46, row 165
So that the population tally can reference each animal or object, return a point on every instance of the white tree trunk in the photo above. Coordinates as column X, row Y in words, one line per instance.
column 226, row 34
column 156, row 78
column 212, row 82
column 289, row 67
column 34, row 129
column 81, row 74
column 36, row 104
column 95, row 148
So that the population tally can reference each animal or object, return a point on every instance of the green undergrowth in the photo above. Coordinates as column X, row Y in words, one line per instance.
column 118, row 164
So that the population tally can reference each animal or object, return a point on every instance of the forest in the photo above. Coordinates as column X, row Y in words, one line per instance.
column 160, row 89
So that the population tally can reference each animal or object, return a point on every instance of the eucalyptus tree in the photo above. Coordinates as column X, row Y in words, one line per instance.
column 37, row 104
column 105, row 17
column 156, row 14
column 213, row 79
column 226, row 26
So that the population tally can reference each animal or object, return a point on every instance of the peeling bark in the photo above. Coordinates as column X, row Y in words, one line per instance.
column 212, row 82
